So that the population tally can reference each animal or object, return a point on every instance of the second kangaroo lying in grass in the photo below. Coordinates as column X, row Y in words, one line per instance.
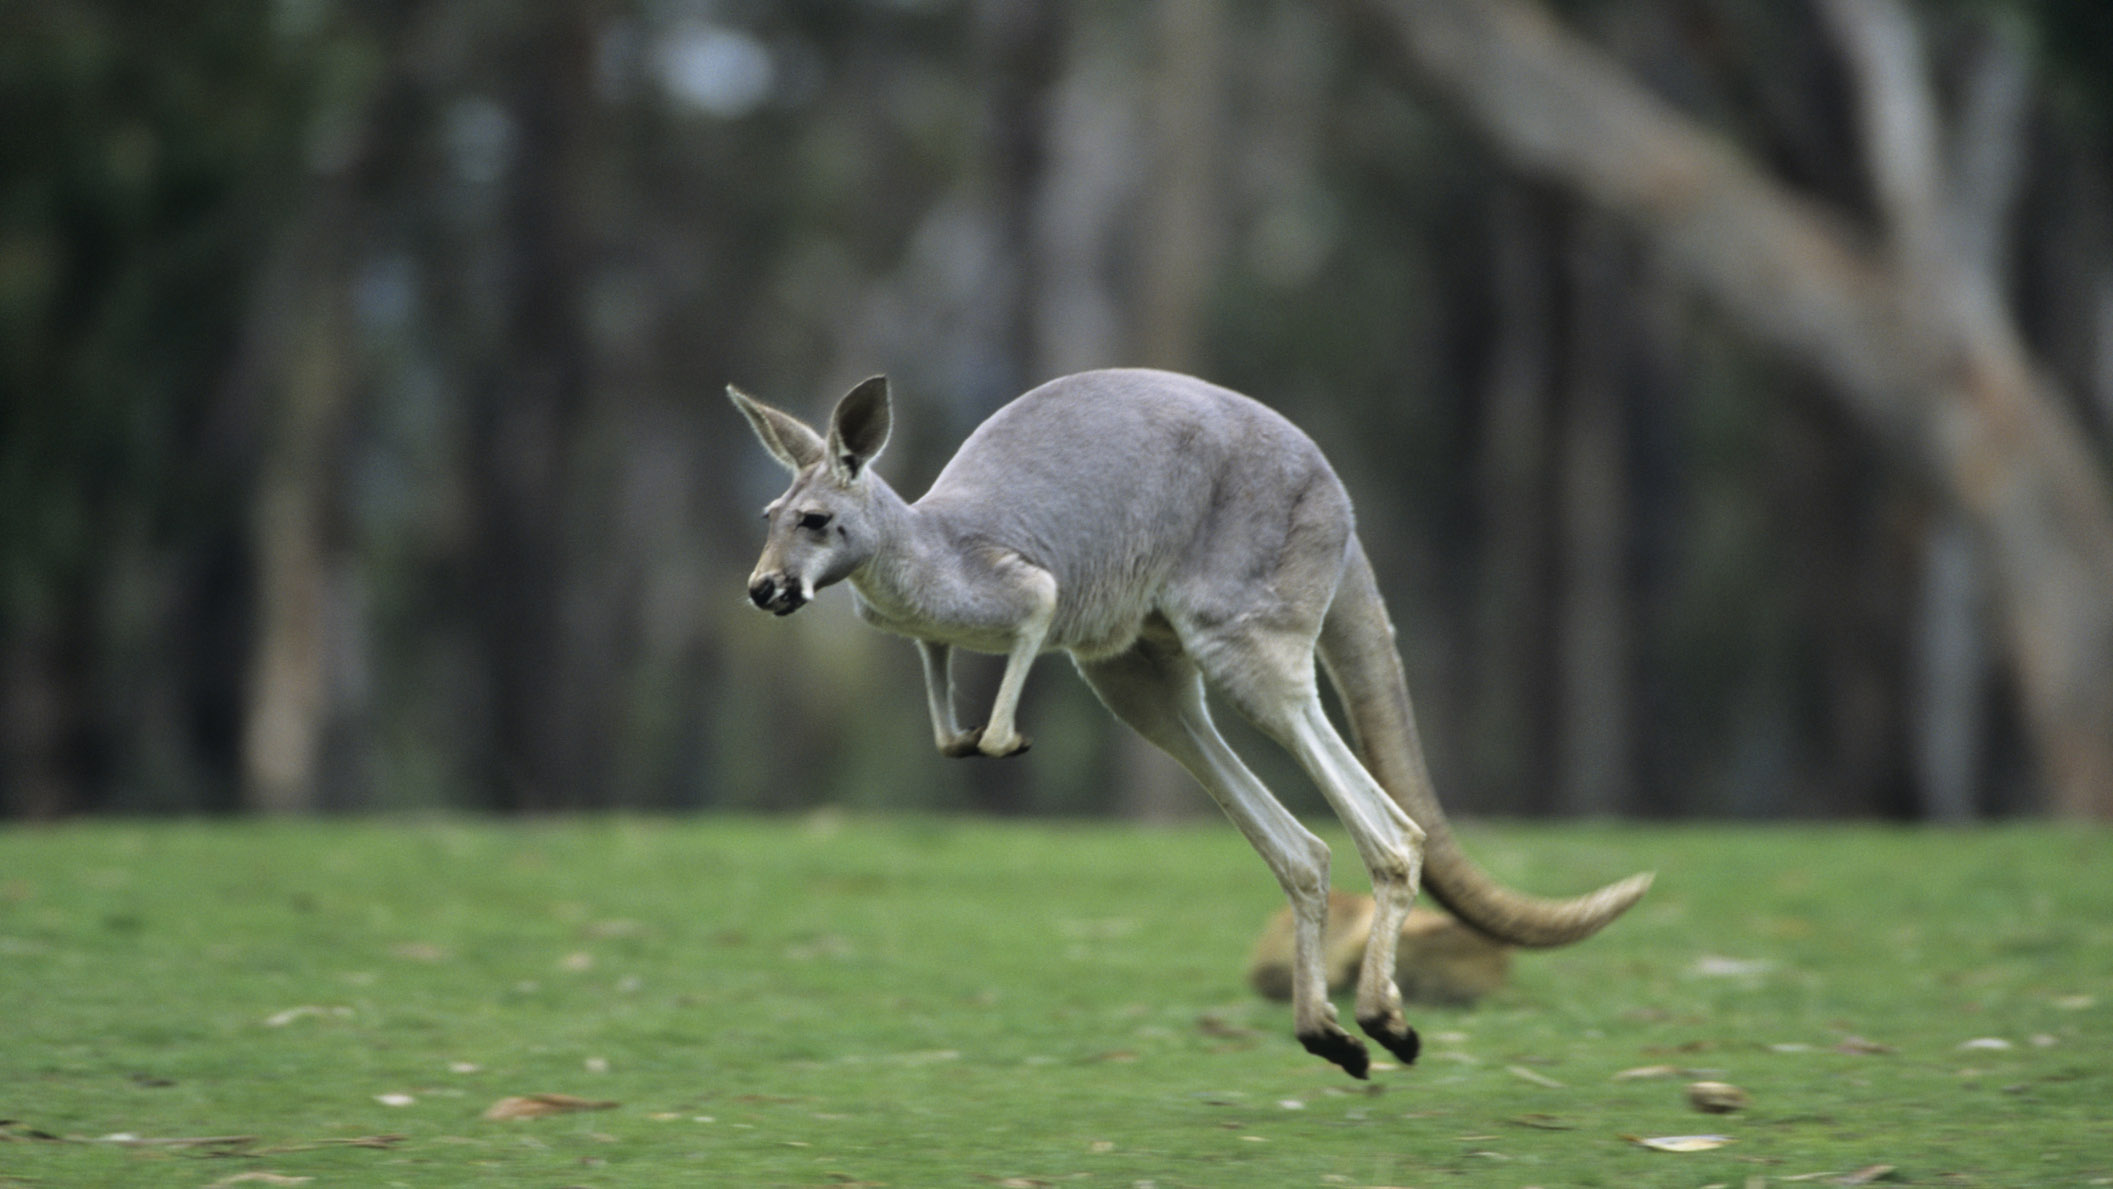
column 1167, row 533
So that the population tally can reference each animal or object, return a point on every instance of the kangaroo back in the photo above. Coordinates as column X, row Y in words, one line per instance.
column 1357, row 647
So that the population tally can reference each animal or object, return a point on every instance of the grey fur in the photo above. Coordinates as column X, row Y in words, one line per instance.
column 1165, row 532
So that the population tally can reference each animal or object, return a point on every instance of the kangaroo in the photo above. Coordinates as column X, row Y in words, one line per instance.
column 1168, row 534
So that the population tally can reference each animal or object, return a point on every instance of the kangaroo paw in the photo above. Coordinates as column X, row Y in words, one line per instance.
column 1394, row 1033
column 1002, row 747
column 1338, row 1046
column 963, row 744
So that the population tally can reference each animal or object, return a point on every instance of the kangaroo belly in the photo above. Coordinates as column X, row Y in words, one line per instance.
column 1093, row 633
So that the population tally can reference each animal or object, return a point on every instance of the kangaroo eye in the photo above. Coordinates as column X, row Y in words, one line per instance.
column 814, row 521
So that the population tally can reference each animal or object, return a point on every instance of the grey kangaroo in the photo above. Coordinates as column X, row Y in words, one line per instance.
column 1168, row 534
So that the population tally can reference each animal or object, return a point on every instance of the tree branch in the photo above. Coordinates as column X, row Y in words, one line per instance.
column 1897, row 118
column 1942, row 381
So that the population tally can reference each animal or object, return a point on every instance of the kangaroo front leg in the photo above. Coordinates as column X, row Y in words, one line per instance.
column 1037, row 591
column 939, row 699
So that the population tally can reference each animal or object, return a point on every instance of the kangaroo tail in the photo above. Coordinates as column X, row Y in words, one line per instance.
column 1357, row 647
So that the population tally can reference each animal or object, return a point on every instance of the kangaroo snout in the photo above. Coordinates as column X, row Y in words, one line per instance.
column 774, row 596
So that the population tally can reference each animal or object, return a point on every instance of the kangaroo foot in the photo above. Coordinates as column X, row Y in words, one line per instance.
column 1338, row 1046
column 962, row 744
column 1010, row 746
column 976, row 741
column 1393, row 1032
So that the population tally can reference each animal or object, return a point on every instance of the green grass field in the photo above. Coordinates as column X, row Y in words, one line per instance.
column 844, row 1001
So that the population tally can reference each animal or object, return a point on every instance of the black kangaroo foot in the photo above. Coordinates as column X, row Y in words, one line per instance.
column 1338, row 1046
column 1393, row 1033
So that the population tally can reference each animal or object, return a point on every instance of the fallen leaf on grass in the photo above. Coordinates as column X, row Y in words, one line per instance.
column 1212, row 1023
column 535, row 1106
column 1541, row 1122
column 1539, row 1079
column 1857, row 1046
column 1990, row 1043
column 281, row 1019
column 258, row 1178
column 383, row 1142
column 396, row 1099
column 1864, row 1176
column 1717, row 1098
column 1679, row 1143
column 1715, row 966
column 230, row 1142
column 1647, row 1071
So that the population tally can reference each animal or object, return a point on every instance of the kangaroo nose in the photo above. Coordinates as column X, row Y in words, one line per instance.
column 762, row 592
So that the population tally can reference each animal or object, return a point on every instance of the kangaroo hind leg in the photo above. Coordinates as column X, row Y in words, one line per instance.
column 1391, row 846
column 1157, row 691
column 1269, row 676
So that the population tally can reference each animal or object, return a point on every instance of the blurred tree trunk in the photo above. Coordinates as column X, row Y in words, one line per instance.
column 1185, row 211
column 1973, row 203
column 545, row 694
column 1951, row 676
column 1083, row 213
column 1510, row 685
column 1930, row 362
column 301, row 332
column 2102, row 371
column 41, row 728
column 1022, row 56
column 1595, row 769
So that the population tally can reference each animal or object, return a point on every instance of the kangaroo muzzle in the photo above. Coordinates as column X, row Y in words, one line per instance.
column 776, row 594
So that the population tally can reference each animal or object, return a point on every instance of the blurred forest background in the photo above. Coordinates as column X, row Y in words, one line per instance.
column 1726, row 385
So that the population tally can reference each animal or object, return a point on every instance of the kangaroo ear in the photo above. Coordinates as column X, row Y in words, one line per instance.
column 786, row 437
column 859, row 428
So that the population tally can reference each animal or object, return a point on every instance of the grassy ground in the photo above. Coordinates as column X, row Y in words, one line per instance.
column 849, row 1002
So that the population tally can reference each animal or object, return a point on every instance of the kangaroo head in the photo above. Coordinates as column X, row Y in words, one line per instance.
column 826, row 525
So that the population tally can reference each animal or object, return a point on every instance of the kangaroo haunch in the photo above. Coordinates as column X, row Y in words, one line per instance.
column 1166, row 533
